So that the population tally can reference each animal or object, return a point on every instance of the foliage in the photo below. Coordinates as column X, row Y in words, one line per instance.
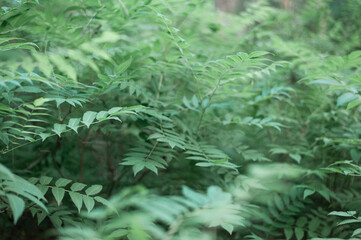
column 152, row 119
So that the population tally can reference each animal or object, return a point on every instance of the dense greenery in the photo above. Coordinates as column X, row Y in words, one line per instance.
column 169, row 119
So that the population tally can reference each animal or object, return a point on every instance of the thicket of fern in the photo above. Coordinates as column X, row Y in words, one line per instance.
column 152, row 119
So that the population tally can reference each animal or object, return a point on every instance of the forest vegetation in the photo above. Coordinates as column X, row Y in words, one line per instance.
column 180, row 119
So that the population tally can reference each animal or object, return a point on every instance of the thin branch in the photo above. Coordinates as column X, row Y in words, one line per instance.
column 124, row 7
column 90, row 20
column 33, row 164
column 53, row 150
column 82, row 155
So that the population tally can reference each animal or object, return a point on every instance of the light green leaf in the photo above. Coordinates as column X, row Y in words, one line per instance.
column 40, row 101
column 325, row 81
column 44, row 64
column 44, row 136
column 17, row 206
column 308, row 192
column 348, row 221
column 104, row 202
column 353, row 104
column 114, row 110
column 56, row 221
column 6, row 172
column 88, row 118
column 124, row 66
column 195, row 101
column 228, row 227
column 186, row 102
column 63, row 65
column 59, row 128
column 343, row 214
column 62, row 182
column 88, row 202
column 102, row 115
column 296, row 157
column 356, row 232
column 44, row 180
column 74, row 124
column 58, row 194
column 77, row 187
column 345, row 98
column 258, row 54
column 77, row 199
column 279, row 203
column 138, row 167
column 94, row 189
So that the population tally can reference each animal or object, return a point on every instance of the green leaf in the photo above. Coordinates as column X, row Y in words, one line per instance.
column 104, row 202
column 4, row 138
column 356, row 232
column 195, row 101
column 354, row 54
column 44, row 180
column 258, row 54
column 24, row 45
column 288, row 233
column 343, row 214
column 348, row 221
column 63, row 65
column 59, row 128
column 301, row 221
column 77, row 187
column 43, row 189
column 88, row 118
column 279, row 203
column 102, row 115
column 308, row 192
column 62, row 182
column 3, row 40
column 353, row 104
column 220, row 161
column 228, row 227
column 114, row 110
column 314, row 224
column 44, row 136
column 296, row 157
column 124, row 66
column 325, row 81
column 77, row 199
column 58, row 194
column 299, row 233
column 40, row 101
column 345, row 98
column 55, row 220
column 186, row 102
column 74, row 124
column 88, row 202
column 17, row 206
column 94, row 189
column 138, row 167
column 41, row 216
column 4, row 171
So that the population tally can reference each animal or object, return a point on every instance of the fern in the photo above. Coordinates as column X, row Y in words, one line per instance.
column 15, row 190
column 58, row 191
column 208, row 155
column 150, row 156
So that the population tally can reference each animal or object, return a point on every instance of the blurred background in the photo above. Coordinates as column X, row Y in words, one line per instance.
column 236, row 6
